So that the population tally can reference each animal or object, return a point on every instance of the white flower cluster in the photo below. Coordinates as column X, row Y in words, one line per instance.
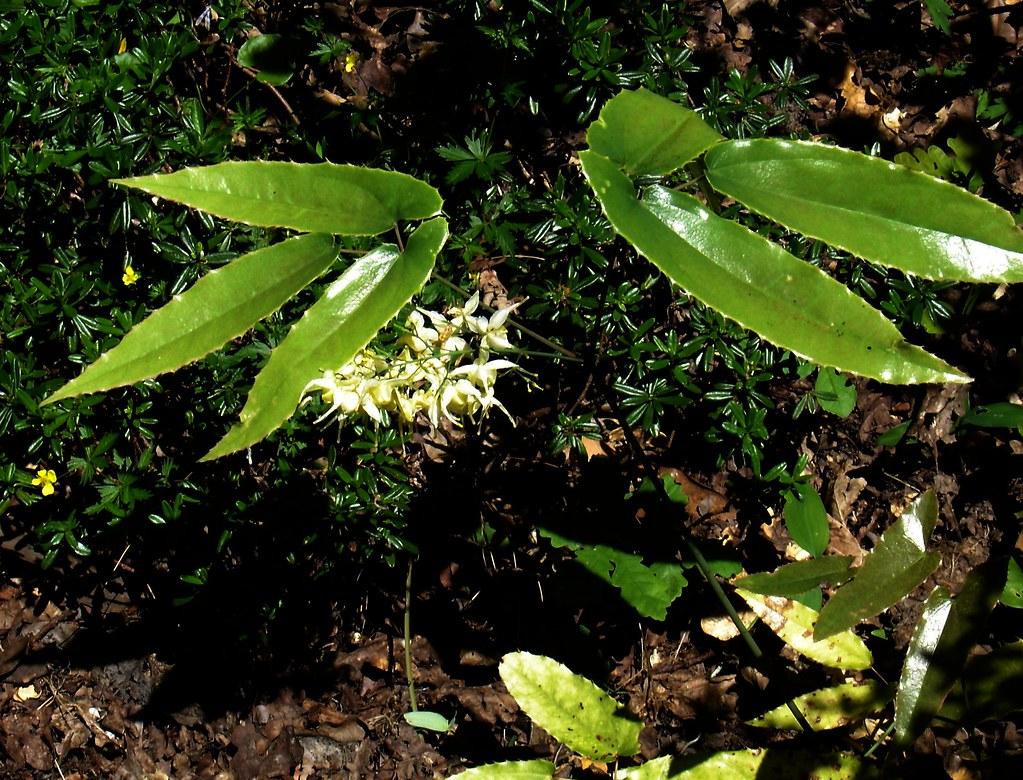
column 429, row 374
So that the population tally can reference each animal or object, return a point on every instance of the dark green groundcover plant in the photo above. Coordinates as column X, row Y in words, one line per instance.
column 874, row 209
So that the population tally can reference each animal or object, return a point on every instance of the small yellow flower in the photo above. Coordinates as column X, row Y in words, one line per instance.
column 45, row 480
column 129, row 277
column 123, row 47
column 351, row 60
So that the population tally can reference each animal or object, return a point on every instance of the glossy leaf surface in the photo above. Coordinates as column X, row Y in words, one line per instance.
column 898, row 564
column 793, row 579
column 806, row 519
column 221, row 306
column 999, row 415
column 758, row 284
column 316, row 198
column 793, row 623
column 1012, row 594
column 647, row 134
column 345, row 318
column 991, row 689
column 510, row 770
column 946, row 631
column 829, row 708
column 570, row 708
column 872, row 208
column 769, row 764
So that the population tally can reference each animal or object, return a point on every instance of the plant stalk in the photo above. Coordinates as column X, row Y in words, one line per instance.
column 409, row 671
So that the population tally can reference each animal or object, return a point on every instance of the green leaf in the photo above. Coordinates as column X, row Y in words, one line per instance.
column 219, row 307
column 897, row 565
column 510, row 770
column 1012, row 594
column 872, row 208
column 793, row 623
column 316, row 198
column 991, row 689
column 270, row 55
column 333, row 330
column 428, row 720
column 806, row 519
column 1000, row 415
column 941, row 642
column 796, row 578
column 570, row 708
column 834, row 393
column 758, row 284
column 941, row 14
column 893, row 435
column 646, row 134
column 763, row 764
column 829, row 708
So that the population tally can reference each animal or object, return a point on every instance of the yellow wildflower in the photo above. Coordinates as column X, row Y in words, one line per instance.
column 45, row 480
column 351, row 61
column 129, row 277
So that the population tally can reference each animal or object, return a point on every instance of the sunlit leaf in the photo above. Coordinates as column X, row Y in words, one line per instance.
column 510, row 770
column 345, row 318
column 1012, row 594
column 941, row 642
column 316, row 198
column 875, row 209
column 570, row 708
column 758, row 284
column 793, row 623
column 806, row 519
column 428, row 720
column 799, row 577
column 991, row 689
column 898, row 564
column 834, row 393
column 999, row 415
column 748, row 764
column 221, row 306
column 646, row 134
column 829, row 708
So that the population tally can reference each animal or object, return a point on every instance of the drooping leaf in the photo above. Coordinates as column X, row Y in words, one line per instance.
column 829, row 708
column 999, row 415
column 648, row 588
column 991, row 688
column 219, row 307
column 1012, row 594
column 428, row 720
column 872, row 208
column 806, row 519
column 793, row 623
column 758, row 284
column 316, row 198
column 270, row 55
column 795, row 578
column 897, row 565
column 570, row 708
column 345, row 318
column 834, row 393
column 646, row 134
column 510, row 770
column 941, row 642
column 747, row 764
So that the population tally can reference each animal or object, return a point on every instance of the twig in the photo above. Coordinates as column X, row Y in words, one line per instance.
column 409, row 673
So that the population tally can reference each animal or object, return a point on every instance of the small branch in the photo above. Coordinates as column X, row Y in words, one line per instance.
column 409, row 672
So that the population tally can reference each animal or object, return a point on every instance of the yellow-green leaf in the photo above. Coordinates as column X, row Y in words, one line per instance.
column 219, row 307
column 762, row 764
column 793, row 623
column 509, row 770
column 315, row 198
column 347, row 316
column 829, row 708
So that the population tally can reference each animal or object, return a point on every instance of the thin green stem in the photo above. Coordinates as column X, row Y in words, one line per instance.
column 698, row 170
column 884, row 735
column 409, row 672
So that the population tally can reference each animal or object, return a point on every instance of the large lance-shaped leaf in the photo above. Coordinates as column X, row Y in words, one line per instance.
column 941, row 642
column 333, row 330
column 793, row 579
column 758, row 284
column 510, row 770
column 645, row 133
column 747, row 764
column 315, row 198
column 991, row 689
column 570, row 708
column 829, row 708
column 219, row 307
column 793, row 623
column 898, row 564
column 875, row 209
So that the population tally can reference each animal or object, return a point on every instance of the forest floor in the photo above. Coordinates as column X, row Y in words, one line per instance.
column 105, row 681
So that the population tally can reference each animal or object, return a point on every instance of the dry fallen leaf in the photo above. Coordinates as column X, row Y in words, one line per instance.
column 27, row 693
